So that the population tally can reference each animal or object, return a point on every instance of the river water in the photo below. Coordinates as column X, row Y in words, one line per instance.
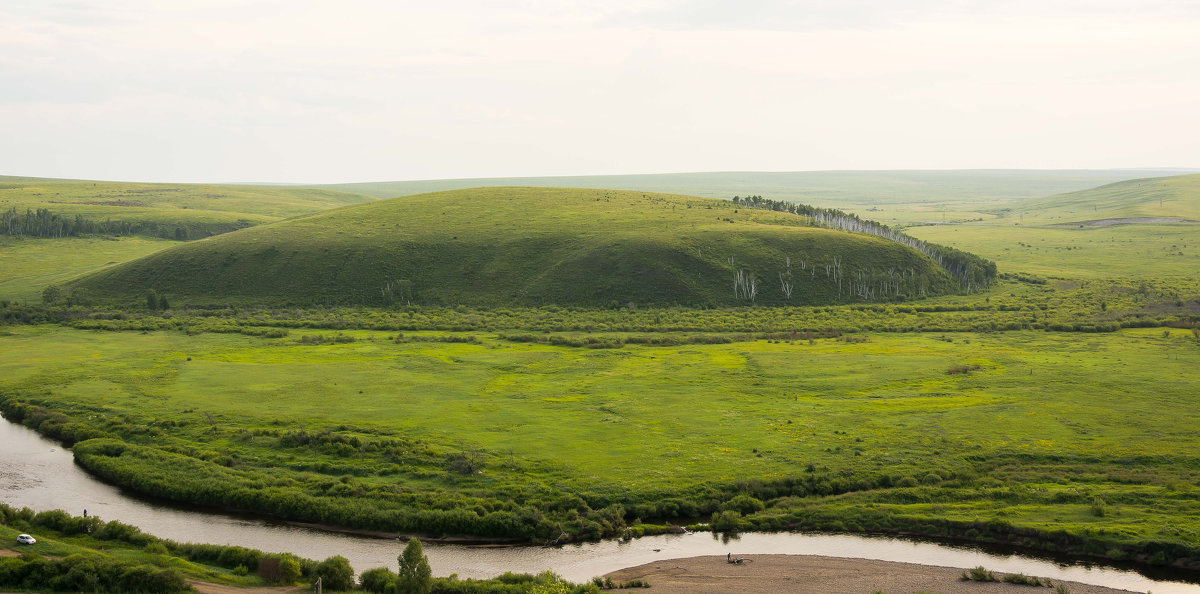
column 41, row 474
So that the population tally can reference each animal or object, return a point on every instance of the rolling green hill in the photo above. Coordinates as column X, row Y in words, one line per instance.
column 1175, row 197
column 1132, row 229
column 531, row 246
column 197, row 210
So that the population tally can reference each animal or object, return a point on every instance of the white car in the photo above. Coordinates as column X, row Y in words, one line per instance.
column 25, row 539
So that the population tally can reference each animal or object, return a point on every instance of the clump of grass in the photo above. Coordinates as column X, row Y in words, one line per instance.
column 1025, row 580
column 963, row 369
column 979, row 574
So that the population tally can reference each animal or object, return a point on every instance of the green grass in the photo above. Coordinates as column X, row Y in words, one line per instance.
column 894, row 392
column 168, row 203
column 1167, row 197
column 1043, row 236
column 527, row 246
column 1141, row 251
column 30, row 264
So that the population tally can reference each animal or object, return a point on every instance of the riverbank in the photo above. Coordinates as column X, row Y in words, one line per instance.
column 771, row 574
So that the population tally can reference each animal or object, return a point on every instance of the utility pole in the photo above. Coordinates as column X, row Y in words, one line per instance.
column 318, row 585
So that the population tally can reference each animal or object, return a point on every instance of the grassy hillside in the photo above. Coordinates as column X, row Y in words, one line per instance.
column 531, row 246
column 1157, row 197
column 1116, row 230
column 31, row 264
column 204, row 209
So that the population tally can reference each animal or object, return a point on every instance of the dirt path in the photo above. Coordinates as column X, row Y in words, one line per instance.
column 776, row 574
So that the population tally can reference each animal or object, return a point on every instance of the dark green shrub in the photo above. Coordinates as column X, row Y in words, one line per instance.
column 377, row 580
column 726, row 521
column 335, row 573
column 279, row 569
column 744, row 504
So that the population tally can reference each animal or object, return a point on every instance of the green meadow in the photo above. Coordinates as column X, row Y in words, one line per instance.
column 168, row 202
column 647, row 418
column 1052, row 411
column 32, row 264
column 1115, row 252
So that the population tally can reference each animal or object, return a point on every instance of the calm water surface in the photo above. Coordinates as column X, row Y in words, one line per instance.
column 41, row 474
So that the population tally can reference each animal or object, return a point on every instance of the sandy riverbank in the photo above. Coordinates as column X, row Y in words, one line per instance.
column 777, row 574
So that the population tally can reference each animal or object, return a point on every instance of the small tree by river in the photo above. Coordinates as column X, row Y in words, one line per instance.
column 415, row 576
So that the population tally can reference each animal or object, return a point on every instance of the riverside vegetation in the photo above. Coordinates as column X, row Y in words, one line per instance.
column 87, row 554
column 998, row 415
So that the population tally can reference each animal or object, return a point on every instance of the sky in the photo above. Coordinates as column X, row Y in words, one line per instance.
column 301, row 91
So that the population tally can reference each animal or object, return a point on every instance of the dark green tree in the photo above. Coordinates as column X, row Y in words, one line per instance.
column 151, row 299
column 51, row 295
column 415, row 576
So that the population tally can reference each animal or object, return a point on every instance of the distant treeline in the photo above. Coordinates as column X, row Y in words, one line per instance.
column 44, row 223
column 972, row 271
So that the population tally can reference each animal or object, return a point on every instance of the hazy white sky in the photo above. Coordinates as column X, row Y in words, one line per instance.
column 307, row 91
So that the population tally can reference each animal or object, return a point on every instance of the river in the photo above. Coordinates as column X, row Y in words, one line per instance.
column 41, row 474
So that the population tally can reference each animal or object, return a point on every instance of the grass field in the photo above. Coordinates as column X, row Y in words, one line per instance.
column 198, row 204
column 1120, row 251
column 1165, row 197
column 32, row 264
column 881, row 403
column 1051, row 235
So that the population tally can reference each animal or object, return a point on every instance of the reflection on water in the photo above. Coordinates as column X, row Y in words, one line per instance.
column 40, row 474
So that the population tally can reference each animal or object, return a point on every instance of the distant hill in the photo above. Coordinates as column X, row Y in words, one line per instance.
column 1146, row 199
column 174, row 211
column 840, row 189
column 532, row 246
